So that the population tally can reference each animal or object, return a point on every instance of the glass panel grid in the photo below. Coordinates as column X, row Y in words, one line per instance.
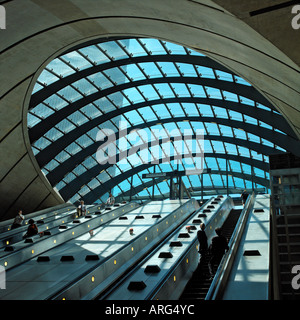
column 106, row 52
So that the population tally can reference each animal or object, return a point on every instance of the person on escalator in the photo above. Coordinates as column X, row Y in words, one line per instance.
column 81, row 210
column 32, row 230
column 111, row 200
column 203, row 246
column 218, row 247
column 18, row 220
column 244, row 197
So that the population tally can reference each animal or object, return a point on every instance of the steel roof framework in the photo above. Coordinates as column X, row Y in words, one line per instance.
column 148, row 83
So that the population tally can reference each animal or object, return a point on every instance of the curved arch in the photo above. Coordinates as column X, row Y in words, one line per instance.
column 268, row 117
column 206, row 189
column 246, row 91
column 279, row 139
column 83, row 179
column 56, row 86
column 68, row 165
column 37, row 131
column 93, row 195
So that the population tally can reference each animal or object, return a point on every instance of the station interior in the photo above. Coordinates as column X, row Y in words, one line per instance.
column 128, row 125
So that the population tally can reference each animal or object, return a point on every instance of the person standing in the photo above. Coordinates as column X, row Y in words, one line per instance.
column 18, row 220
column 218, row 247
column 244, row 197
column 111, row 200
column 203, row 246
column 81, row 210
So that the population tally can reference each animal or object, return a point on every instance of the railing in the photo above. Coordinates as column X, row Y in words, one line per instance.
column 181, row 267
column 220, row 279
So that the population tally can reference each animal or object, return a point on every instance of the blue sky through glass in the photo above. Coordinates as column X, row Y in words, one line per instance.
column 146, row 103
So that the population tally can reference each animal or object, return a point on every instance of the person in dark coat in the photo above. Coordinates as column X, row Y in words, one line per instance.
column 218, row 247
column 203, row 246
column 32, row 230
column 244, row 197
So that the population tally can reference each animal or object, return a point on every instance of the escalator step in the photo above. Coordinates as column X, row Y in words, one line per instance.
column 198, row 286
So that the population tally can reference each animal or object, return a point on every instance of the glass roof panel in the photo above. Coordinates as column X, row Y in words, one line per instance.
column 149, row 92
column 205, row 110
column 176, row 109
column 164, row 90
column 174, row 48
column 148, row 114
column 150, row 69
column 116, row 75
column 205, row 72
column 76, row 59
column 213, row 93
column 42, row 111
column 220, row 112
column 197, row 91
column 181, row 89
column 153, row 46
column 112, row 50
column 221, row 75
column 48, row 77
column 185, row 100
column 132, row 46
column 100, row 80
column 94, row 54
column 70, row 94
column 187, row 70
column 161, row 111
column 230, row 96
column 168, row 69
column 190, row 109
column 59, row 67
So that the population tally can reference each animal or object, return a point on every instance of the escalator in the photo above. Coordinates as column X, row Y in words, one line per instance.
column 164, row 273
column 199, row 284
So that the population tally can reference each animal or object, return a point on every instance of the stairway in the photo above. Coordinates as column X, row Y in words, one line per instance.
column 198, row 286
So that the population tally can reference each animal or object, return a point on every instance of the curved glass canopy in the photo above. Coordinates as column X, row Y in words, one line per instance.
column 159, row 91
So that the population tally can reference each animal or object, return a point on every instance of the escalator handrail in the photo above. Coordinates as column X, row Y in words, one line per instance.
column 183, row 255
column 219, row 282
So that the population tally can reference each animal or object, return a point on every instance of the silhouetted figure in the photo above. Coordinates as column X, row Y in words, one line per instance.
column 203, row 246
column 244, row 196
column 218, row 247
column 32, row 230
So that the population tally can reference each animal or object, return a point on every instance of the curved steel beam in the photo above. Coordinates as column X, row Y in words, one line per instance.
column 286, row 142
column 68, row 165
column 72, row 187
column 239, row 89
column 149, row 184
column 273, row 119
column 56, row 86
column 96, row 193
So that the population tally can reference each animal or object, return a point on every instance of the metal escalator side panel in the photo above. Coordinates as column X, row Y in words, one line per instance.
column 221, row 277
